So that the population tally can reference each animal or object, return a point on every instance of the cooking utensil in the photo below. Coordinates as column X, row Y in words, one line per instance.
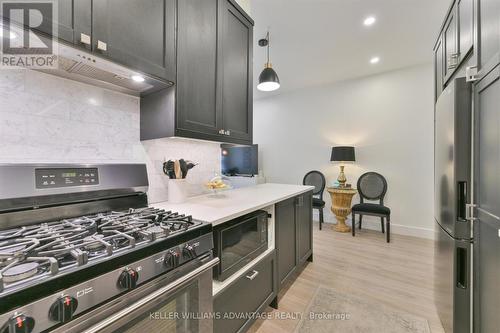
column 184, row 168
column 177, row 169
column 168, row 169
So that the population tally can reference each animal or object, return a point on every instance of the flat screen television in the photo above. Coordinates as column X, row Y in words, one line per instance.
column 239, row 160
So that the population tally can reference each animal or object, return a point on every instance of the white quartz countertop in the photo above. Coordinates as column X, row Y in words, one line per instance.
column 230, row 204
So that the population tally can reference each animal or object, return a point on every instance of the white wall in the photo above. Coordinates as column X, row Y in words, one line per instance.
column 387, row 117
column 44, row 118
column 245, row 4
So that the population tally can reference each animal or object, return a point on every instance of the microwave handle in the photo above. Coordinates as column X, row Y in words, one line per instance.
column 143, row 301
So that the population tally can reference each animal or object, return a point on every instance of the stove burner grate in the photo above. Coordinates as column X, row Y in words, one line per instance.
column 34, row 251
column 20, row 272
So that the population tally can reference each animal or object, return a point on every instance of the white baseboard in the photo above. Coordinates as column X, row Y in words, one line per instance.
column 395, row 228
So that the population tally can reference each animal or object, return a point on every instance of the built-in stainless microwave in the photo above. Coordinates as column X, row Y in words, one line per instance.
column 239, row 241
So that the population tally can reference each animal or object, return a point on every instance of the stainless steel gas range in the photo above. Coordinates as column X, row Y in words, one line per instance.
column 81, row 251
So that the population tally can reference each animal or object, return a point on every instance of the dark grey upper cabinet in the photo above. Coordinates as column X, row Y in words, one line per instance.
column 74, row 23
column 66, row 21
column 197, row 87
column 488, row 35
column 304, row 226
column 213, row 91
column 456, row 41
column 465, row 9
column 73, row 18
column 438, row 68
column 138, row 34
column 235, row 64
column 450, row 45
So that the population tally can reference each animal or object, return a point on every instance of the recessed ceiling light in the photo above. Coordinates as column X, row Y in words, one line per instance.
column 374, row 60
column 138, row 78
column 369, row 21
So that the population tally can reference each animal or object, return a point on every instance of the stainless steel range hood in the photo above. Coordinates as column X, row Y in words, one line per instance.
column 79, row 65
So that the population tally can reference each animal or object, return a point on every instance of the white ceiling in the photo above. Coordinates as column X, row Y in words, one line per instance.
column 321, row 41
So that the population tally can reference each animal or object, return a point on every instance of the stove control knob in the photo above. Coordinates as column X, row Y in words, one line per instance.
column 128, row 279
column 19, row 324
column 171, row 259
column 63, row 309
column 189, row 251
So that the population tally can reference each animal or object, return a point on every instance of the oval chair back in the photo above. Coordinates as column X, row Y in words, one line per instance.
column 316, row 179
column 372, row 186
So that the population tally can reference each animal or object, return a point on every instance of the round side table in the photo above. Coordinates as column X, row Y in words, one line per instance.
column 341, row 205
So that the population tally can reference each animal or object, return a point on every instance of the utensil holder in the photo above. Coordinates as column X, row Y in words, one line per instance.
column 177, row 190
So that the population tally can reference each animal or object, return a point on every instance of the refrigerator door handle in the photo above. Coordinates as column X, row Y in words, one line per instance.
column 461, row 266
column 469, row 212
column 462, row 194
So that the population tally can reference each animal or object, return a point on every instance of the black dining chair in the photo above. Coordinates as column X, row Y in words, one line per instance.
column 317, row 179
column 372, row 186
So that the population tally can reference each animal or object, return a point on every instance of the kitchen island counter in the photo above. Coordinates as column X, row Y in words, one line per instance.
column 230, row 204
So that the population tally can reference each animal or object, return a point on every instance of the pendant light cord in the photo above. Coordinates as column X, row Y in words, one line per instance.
column 268, row 42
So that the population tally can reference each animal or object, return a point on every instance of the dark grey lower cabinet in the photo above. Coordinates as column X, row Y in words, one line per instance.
column 304, row 227
column 251, row 293
column 286, row 246
column 293, row 234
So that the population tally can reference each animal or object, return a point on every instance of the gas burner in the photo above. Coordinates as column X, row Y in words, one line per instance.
column 33, row 251
column 94, row 243
column 175, row 225
column 20, row 272
column 157, row 232
column 13, row 249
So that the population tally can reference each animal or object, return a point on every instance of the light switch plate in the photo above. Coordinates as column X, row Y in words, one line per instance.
column 102, row 46
column 85, row 39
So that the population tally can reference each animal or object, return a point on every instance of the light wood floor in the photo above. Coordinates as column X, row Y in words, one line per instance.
column 398, row 275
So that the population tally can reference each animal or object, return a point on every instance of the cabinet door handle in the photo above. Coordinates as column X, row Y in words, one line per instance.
column 471, row 74
column 102, row 46
column 84, row 39
column 253, row 275
column 453, row 60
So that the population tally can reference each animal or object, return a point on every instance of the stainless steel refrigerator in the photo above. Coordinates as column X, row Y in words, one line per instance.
column 452, row 184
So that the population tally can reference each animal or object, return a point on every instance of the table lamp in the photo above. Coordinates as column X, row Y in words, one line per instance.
column 342, row 154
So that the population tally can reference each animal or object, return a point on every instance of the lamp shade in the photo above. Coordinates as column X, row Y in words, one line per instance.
column 268, row 80
column 343, row 154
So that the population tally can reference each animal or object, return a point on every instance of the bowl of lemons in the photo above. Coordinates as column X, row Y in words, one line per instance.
column 217, row 185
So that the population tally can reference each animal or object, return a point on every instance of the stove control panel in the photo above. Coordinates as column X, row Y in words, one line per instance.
column 66, row 177
column 62, row 307
column 19, row 323
column 128, row 279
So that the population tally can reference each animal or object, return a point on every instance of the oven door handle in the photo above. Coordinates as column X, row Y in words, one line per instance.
column 143, row 301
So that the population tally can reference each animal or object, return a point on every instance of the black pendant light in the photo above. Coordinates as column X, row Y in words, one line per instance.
column 268, row 79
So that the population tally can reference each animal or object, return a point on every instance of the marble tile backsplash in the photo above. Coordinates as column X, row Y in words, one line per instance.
column 44, row 118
